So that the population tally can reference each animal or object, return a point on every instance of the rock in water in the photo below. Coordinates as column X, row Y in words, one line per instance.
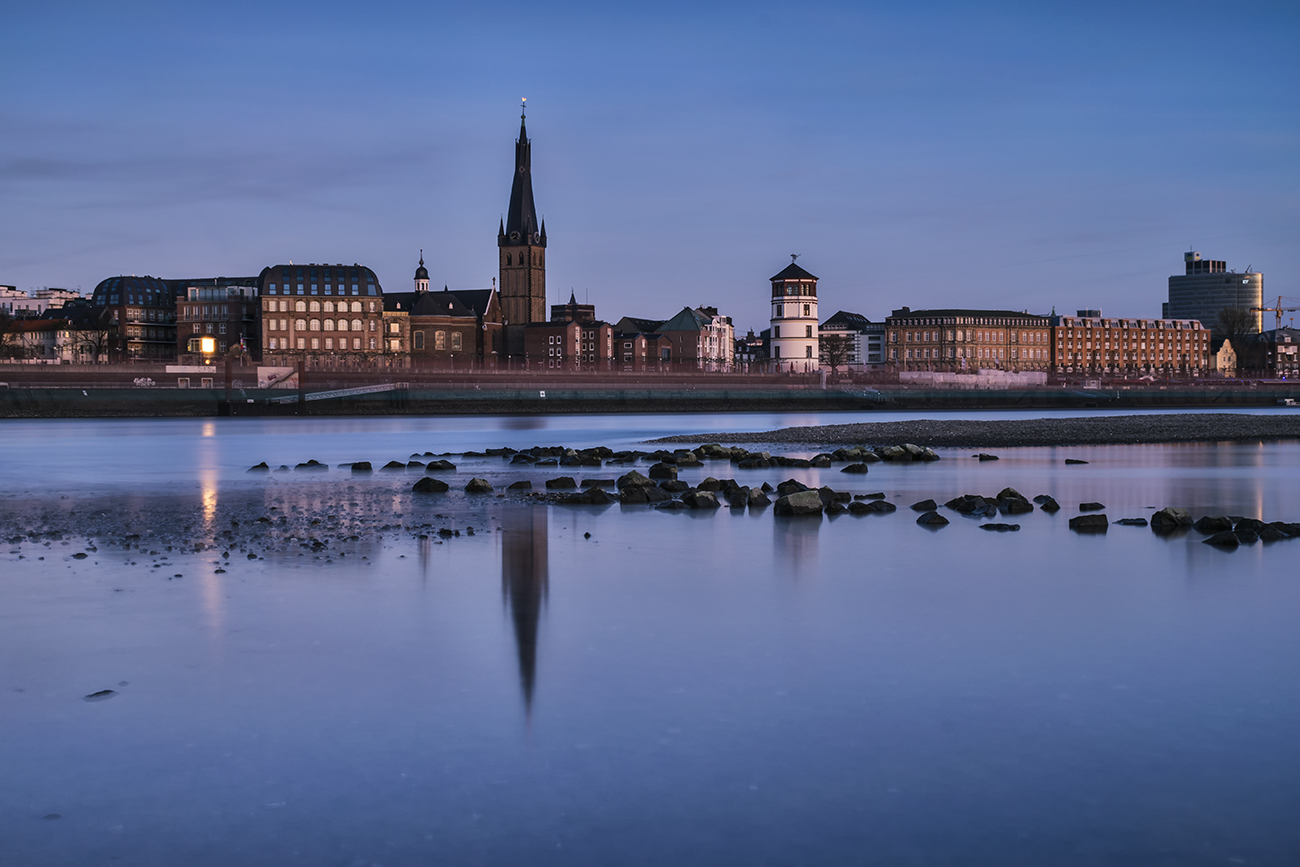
column 855, row 468
column 1211, row 524
column 394, row 465
column 1089, row 524
column 925, row 506
column 632, row 478
column 1074, row 461
column 1047, row 504
column 1001, row 528
column 524, row 485
column 1091, row 507
column 983, row 457
column 799, row 503
column 1226, row 539
column 562, row 483
column 361, row 467
column 478, row 486
column 102, row 695
column 428, row 485
column 933, row 520
column 259, row 468
column 701, row 500
column 758, row 499
column 1169, row 520
column 1132, row 522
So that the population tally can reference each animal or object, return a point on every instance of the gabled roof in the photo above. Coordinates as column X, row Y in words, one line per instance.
column 475, row 299
column 686, row 320
column 630, row 324
column 845, row 319
column 459, row 302
column 793, row 272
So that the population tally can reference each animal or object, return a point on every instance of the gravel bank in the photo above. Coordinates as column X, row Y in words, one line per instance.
column 1009, row 433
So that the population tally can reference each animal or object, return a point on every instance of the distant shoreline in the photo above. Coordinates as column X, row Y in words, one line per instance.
column 1011, row 433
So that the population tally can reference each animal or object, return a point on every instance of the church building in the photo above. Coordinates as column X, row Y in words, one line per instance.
column 521, row 243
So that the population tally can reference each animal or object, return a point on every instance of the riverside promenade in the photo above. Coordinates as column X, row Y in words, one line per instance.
column 88, row 391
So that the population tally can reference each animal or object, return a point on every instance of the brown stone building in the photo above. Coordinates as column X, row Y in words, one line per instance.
column 967, row 340
column 574, row 345
column 445, row 327
column 321, row 314
column 1103, row 345
column 142, row 316
column 224, row 310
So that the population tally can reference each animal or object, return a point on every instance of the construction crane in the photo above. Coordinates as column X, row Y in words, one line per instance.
column 1277, row 309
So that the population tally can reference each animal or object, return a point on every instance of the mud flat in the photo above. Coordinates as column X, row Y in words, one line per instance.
column 1010, row 433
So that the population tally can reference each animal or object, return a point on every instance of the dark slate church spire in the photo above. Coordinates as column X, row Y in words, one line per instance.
column 521, row 226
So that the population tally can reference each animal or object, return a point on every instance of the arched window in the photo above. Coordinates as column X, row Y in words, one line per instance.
column 439, row 340
column 315, row 307
column 300, row 324
column 356, row 308
column 455, row 341
column 329, row 306
column 315, row 325
column 300, row 306
column 356, row 324
column 508, row 262
column 329, row 324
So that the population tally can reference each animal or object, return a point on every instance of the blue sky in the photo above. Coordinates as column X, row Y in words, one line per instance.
column 1015, row 155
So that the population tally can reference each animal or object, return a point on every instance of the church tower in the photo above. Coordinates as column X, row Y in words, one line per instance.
column 521, row 243
column 421, row 276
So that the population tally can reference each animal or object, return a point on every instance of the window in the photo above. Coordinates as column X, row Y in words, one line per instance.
column 776, row 351
column 455, row 341
column 356, row 325
column 329, row 324
column 300, row 292
column 273, row 346
column 222, row 328
column 372, row 343
column 807, row 332
column 418, row 340
column 356, row 343
column 355, row 292
column 807, row 310
column 315, row 325
column 356, row 308
column 300, row 307
column 302, row 343
column 329, row 341
column 300, row 324
column 284, row 324
column 314, row 307
column 776, row 332
column 394, row 328
column 313, row 291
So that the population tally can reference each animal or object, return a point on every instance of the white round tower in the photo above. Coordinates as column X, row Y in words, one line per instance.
column 794, row 320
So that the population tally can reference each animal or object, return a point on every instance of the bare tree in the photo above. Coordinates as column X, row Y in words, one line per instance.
column 10, row 339
column 1237, row 324
column 836, row 349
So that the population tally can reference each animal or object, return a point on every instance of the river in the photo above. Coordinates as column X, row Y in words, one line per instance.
column 624, row 685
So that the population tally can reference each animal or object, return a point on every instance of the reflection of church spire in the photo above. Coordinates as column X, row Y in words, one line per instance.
column 524, row 584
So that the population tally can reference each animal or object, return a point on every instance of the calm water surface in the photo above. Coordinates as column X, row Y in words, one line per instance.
column 721, row 688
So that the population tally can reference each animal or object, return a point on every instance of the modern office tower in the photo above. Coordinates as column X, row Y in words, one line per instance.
column 1207, row 288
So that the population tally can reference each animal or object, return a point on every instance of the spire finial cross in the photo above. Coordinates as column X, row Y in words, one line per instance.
column 793, row 257
column 523, row 106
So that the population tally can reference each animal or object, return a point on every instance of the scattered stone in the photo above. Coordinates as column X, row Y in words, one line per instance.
column 758, row 498
column 799, row 502
column 1169, row 520
column 820, row 462
column 663, row 471
column 737, row 500
column 1074, row 461
column 932, row 520
column 790, row 486
column 834, row 508
column 1047, row 504
column 523, row 485
column 672, row 505
column 1091, row 507
column 478, row 486
column 393, row 465
column 440, row 466
column 312, row 465
column 360, row 467
column 973, row 505
column 1089, row 524
column 702, row 500
column 709, row 484
column 1269, row 533
column 1001, row 528
column 589, row 497
column 428, row 485
column 632, row 478
column 1224, row 539
column 857, row 469
column 102, row 695
column 1132, row 522
column 563, row 483
column 1212, row 524
column 80, row 555
column 674, row 486
column 925, row 506
column 259, row 468
column 1245, row 536
column 983, row 457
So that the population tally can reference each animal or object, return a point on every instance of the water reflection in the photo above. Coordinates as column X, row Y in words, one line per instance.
column 795, row 544
column 524, row 584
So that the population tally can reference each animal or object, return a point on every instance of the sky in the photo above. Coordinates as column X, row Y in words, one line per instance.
column 1024, row 156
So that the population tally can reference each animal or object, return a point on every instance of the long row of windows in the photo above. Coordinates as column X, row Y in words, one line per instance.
column 284, row 343
column 318, row 325
column 317, row 306
column 439, row 341
column 271, row 289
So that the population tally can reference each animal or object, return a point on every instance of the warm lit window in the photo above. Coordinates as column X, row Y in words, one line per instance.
column 439, row 340
column 455, row 341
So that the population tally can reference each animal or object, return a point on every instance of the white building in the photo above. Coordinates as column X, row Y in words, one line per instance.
column 866, row 340
column 794, row 344
column 34, row 303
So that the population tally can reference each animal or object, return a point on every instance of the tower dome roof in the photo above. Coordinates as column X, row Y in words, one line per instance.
column 421, row 273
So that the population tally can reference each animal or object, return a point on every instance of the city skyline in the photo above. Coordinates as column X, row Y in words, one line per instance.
column 1010, row 155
